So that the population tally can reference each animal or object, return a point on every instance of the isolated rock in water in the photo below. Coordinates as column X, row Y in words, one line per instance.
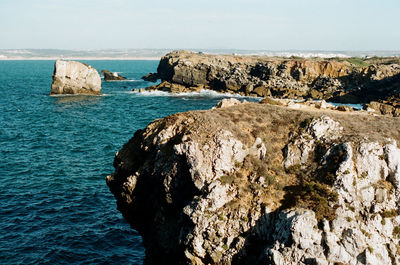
column 151, row 77
column 112, row 76
column 72, row 77
column 263, row 184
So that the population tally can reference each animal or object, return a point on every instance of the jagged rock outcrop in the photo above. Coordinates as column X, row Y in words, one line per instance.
column 330, row 79
column 72, row 77
column 112, row 76
column 263, row 184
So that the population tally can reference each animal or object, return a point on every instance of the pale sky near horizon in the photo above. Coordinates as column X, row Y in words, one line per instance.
column 207, row 24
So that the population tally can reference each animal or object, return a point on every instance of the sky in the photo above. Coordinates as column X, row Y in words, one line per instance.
column 337, row 25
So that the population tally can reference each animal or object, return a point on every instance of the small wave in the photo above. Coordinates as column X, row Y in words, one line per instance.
column 204, row 93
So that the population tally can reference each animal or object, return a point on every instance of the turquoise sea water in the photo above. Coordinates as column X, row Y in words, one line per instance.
column 55, row 152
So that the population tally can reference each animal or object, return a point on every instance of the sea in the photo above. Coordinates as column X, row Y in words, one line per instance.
column 55, row 152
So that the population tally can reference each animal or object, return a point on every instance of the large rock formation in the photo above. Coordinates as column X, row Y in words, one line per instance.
column 72, row 77
column 112, row 76
column 331, row 79
column 263, row 184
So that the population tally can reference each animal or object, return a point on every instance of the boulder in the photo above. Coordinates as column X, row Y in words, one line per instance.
column 71, row 77
column 271, row 101
column 323, row 105
column 227, row 102
column 151, row 77
column 344, row 108
column 112, row 76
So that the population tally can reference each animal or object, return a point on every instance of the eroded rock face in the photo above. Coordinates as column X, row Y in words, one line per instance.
column 263, row 184
column 72, row 77
column 112, row 76
column 335, row 80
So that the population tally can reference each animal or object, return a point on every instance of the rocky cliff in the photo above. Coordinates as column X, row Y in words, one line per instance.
column 340, row 80
column 263, row 184
column 72, row 77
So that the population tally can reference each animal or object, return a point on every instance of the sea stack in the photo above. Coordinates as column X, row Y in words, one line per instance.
column 71, row 77
column 112, row 76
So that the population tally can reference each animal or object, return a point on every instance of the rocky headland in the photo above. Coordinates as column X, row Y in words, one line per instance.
column 112, row 76
column 346, row 80
column 251, row 183
column 71, row 77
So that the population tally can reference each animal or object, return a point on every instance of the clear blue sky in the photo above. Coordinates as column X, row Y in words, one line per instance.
column 240, row 24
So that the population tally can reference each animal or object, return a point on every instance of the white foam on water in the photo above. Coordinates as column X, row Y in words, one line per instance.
column 203, row 93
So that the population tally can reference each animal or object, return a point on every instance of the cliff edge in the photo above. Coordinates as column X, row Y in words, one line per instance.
column 263, row 184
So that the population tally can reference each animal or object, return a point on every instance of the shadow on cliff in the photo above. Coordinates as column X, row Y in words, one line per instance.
column 258, row 239
column 357, row 90
column 270, row 229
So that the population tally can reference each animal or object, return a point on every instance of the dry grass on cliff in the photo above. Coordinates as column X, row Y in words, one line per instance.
column 275, row 125
column 245, row 59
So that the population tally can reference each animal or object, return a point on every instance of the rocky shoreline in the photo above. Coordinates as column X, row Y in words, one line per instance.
column 275, row 182
column 353, row 80
column 251, row 183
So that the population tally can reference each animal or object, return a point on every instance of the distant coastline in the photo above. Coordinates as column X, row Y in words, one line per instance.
column 139, row 58
column 156, row 54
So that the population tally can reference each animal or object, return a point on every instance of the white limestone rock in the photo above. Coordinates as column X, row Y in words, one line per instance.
column 323, row 129
column 218, row 221
column 71, row 77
